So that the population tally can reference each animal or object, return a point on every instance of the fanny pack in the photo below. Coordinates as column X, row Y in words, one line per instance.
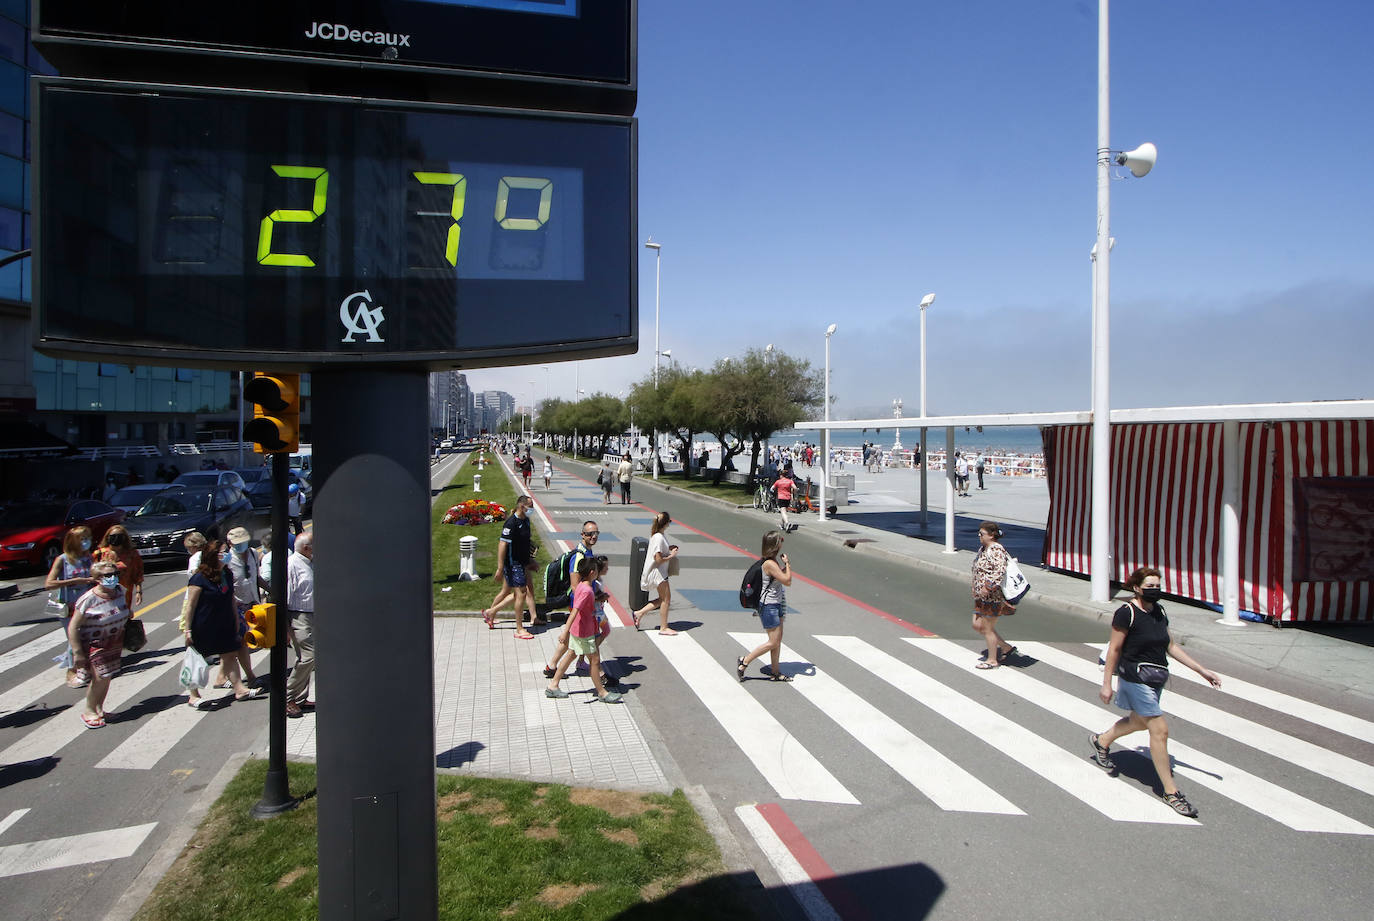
column 1149, row 673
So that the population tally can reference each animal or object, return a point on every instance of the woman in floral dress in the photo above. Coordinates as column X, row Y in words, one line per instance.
column 989, row 569
column 96, row 634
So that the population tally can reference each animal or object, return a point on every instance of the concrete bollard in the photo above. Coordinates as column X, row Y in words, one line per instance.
column 477, row 482
column 467, row 559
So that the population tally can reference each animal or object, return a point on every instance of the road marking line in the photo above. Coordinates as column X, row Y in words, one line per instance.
column 1266, row 798
column 159, row 735
column 15, row 630
column 8, row 821
column 1304, row 754
column 1287, row 704
column 56, row 733
column 945, row 783
column 32, row 648
column 789, row 869
column 49, row 681
column 787, row 766
column 1074, row 775
column 73, row 850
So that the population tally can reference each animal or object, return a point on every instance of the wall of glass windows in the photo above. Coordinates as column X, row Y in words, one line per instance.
column 88, row 386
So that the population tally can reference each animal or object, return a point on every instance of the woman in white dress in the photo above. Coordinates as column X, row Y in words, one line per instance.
column 654, row 579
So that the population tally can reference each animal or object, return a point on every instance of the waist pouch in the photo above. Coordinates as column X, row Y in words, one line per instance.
column 1149, row 673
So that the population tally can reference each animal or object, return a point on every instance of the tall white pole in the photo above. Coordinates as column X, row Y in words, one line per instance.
column 658, row 289
column 825, row 434
column 949, row 489
column 1102, row 564
column 1230, row 523
column 921, row 468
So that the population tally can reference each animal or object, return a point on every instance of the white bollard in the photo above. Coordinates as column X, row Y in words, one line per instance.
column 477, row 482
column 467, row 549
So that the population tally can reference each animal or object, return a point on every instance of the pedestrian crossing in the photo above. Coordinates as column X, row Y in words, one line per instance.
column 986, row 713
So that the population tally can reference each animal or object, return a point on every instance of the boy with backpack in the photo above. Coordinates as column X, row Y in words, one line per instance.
column 561, row 579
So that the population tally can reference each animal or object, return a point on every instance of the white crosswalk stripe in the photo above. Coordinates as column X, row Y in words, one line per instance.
column 1344, row 723
column 1070, row 772
column 51, row 682
column 946, row 784
column 55, row 640
column 1297, row 751
column 160, row 734
column 72, row 850
column 1253, row 792
column 791, row 770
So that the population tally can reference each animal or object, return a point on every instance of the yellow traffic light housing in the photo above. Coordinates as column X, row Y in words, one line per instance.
column 275, row 428
column 262, row 626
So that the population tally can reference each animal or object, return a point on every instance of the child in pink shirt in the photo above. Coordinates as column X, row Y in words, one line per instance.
column 583, row 639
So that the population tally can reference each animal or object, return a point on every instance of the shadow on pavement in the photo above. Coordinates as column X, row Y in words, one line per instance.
column 1025, row 543
column 459, row 755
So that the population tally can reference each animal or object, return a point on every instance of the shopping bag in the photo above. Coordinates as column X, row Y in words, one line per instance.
column 55, row 606
column 1014, row 583
column 195, row 671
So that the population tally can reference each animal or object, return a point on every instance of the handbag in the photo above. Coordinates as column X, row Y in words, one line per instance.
column 1014, row 582
column 601, row 478
column 195, row 671
column 135, row 636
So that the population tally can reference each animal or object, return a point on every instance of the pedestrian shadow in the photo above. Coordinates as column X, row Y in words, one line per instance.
column 26, row 770
column 34, row 713
column 146, row 707
column 459, row 755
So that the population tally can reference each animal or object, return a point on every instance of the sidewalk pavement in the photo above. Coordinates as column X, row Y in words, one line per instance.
column 883, row 518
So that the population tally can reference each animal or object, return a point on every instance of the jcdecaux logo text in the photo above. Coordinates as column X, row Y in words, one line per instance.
column 340, row 32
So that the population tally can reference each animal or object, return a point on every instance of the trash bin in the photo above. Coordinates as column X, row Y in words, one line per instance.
column 639, row 552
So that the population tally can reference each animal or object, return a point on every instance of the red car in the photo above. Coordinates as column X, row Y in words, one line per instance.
column 31, row 534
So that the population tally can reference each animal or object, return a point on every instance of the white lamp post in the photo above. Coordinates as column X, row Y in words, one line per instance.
column 658, row 288
column 1139, row 162
column 825, row 445
column 897, row 441
column 921, row 468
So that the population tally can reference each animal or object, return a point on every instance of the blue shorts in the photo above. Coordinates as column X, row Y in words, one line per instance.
column 1138, row 698
column 771, row 615
column 515, row 576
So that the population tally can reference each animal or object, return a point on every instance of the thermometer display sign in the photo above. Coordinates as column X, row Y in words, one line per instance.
column 300, row 231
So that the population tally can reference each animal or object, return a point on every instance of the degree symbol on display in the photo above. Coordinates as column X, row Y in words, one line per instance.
column 362, row 320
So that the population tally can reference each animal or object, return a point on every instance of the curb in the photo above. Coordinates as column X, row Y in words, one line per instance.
column 157, row 866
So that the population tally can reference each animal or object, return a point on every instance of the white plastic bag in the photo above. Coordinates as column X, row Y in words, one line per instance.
column 1014, row 583
column 55, row 606
column 195, row 671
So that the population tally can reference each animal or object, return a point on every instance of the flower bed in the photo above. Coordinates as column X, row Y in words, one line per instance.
column 475, row 511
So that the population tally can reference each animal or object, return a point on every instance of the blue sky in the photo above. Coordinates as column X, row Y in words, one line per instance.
column 810, row 163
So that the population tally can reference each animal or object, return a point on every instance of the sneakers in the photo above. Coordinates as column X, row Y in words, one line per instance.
column 1101, row 754
column 1180, row 804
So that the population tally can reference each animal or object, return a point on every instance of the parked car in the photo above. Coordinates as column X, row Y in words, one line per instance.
column 31, row 533
column 129, row 499
column 210, row 478
column 159, row 527
column 259, row 485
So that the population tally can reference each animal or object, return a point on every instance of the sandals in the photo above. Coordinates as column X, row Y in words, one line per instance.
column 984, row 666
column 740, row 667
column 490, row 619
column 775, row 676
column 1004, row 656
column 548, row 672
column 198, row 703
column 1101, row 754
column 524, row 635
column 253, row 694
column 555, row 693
column 95, row 722
column 637, row 618
column 1179, row 803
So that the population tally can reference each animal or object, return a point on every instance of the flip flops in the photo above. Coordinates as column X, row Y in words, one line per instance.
column 524, row 635
column 490, row 618
column 93, row 722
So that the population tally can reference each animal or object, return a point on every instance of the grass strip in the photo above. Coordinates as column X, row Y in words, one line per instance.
column 507, row 849
column 451, row 594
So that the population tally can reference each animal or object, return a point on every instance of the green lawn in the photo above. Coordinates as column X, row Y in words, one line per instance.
column 449, row 593
column 507, row 849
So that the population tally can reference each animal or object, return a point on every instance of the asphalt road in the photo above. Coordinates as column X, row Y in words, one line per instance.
column 931, row 789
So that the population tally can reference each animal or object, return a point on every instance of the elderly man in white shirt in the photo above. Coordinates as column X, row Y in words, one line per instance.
column 300, row 604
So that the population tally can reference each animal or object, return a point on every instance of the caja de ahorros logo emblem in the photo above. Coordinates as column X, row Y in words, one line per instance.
column 360, row 318
column 341, row 32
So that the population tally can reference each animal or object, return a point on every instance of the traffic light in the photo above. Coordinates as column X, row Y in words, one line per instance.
column 275, row 428
column 262, row 626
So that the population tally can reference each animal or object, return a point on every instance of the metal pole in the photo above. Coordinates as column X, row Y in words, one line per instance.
column 276, row 790
column 1101, row 567
column 825, row 434
column 241, row 419
column 658, row 289
column 949, row 489
column 1230, row 523
column 921, row 469
column 377, row 829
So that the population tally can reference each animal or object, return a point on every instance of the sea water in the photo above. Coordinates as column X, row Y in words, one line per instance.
column 1009, row 439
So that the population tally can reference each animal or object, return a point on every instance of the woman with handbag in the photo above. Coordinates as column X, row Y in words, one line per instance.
column 213, row 622
column 96, row 635
column 70, row 577
column 657, row 568
column 1136, row 654
column 989, row 604
column 117, row 547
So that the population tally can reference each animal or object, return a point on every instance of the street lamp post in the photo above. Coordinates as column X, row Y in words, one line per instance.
column 897, row 441
column 1139, row 162
column 658, row 289
column 921, row 468
column 825, row 442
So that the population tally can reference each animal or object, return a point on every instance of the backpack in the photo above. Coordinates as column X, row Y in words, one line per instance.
column 751, row 589
column 558, row 578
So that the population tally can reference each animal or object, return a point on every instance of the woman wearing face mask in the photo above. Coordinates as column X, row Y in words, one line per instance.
column 71, row 577
column 213, row 627
column 116, row 547
column 96, row 635
column 1136, row 654
column 243, row 565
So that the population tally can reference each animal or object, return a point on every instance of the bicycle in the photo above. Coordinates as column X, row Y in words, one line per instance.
column 765, row 498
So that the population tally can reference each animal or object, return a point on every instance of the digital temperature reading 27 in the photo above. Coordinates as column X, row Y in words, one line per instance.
column 290, row 231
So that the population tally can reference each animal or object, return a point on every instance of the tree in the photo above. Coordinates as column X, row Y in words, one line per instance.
column 784, row 391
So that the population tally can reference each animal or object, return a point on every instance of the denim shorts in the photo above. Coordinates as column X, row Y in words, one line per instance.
column 771, row 615
column 1138, row 698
